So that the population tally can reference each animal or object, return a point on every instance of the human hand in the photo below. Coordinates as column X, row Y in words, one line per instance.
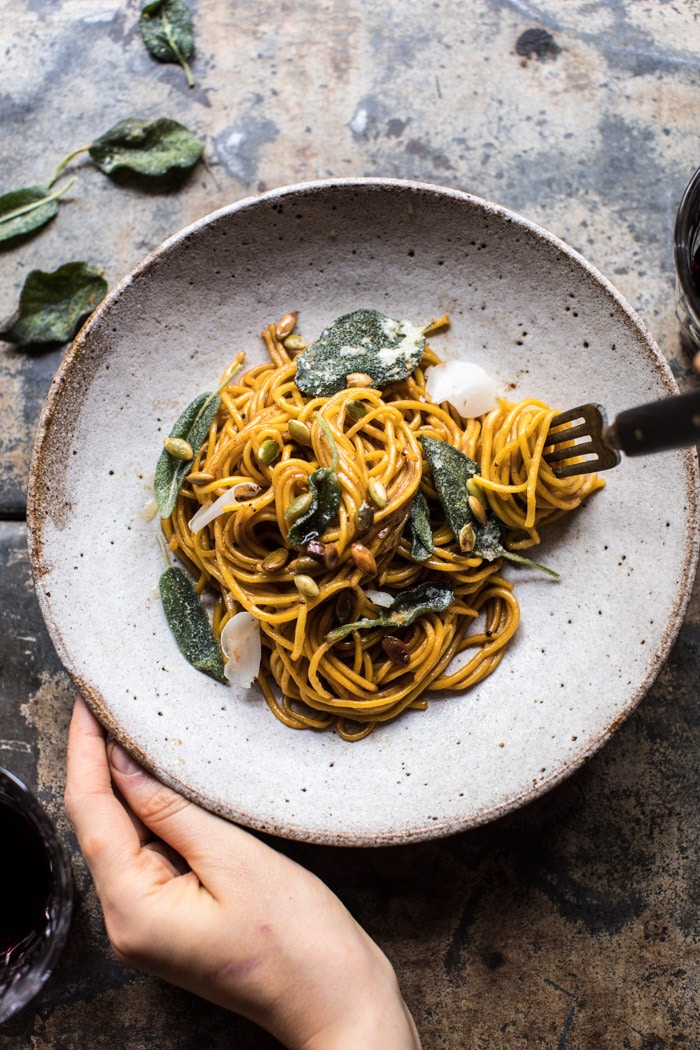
column 198, row 901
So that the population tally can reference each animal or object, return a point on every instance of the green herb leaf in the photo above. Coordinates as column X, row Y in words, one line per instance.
column 191, row 426
column 420, row 529
column 326, row 492
column 363, row 341
column 148, row 149
column 190, row 624
column 451, row 470
column 23, row 211
column 53, row 306
column 429, row 596
column 166, row 29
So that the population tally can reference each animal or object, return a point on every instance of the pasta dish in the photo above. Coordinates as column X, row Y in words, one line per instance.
column 364, row 530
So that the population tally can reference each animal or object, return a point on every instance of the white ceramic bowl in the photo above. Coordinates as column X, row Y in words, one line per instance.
column 523, row 305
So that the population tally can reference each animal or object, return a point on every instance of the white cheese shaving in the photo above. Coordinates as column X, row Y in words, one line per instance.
column 465, row 385
column 226, row 501
column 240, row 642
column 381, row 598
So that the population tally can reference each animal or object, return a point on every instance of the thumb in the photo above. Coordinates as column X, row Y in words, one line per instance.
column 174, row 819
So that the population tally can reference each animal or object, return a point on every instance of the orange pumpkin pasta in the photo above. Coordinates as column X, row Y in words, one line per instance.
column 271, row 448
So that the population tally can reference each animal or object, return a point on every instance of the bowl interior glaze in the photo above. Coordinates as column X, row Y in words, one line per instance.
column 523, row 305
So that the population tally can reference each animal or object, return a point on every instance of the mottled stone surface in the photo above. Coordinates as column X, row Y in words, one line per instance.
column 569, row 925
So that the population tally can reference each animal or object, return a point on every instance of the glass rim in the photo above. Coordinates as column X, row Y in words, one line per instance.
column 22, row 980
column 687, row 227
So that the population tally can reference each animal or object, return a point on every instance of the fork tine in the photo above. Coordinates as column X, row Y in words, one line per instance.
column 579, row 448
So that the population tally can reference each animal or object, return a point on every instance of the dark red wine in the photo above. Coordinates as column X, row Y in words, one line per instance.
column 695, row 269
column 25, row 879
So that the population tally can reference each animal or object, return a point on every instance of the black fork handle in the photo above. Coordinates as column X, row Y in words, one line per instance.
column 673, row 422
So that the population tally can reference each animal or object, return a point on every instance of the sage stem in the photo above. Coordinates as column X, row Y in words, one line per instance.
column 36, row 204
column 64, row 164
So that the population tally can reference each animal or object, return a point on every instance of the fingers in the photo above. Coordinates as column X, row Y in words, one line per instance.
column 108, row 837
column 184, row 826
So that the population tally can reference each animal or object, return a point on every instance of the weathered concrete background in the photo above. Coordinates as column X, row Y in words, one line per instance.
column 572, row 925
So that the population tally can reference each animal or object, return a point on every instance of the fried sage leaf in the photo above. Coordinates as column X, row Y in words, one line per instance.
column 326, row 494
column 361, row 342
column 52, row 306
column 426, row 597
column 148, row 149
column 191, row 426
column 451, row 470
column 419, row 526
column 189, row 623
column 23, row 211
column 166, row 30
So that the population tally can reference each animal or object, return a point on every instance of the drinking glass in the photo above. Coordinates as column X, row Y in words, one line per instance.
column 36, row 895
column 686, row 247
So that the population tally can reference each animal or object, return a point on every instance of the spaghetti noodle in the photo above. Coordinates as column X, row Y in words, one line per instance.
column 266, row 446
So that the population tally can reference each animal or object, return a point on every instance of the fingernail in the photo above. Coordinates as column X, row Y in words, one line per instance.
column 122, row 761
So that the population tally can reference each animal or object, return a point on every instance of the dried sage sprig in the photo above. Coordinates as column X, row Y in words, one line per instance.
column 189, row 623
column 451, row 470
column 429, row 596
column 151, row 149
column 166, row 30
column 52, row 306
column 365, row 342
column 191, row 426
column 326, row 493
column 419, row 526
column 28, row 209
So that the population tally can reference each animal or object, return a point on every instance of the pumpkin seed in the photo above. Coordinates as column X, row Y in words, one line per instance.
column 299, row 432
column 298, row 506
column 377, row 492
column 285, row 325
column 200, row 477
column 356, row 410
column 268, row 452
column 364, row 517
column 306, row 586
column 305, row 565
column 358, row 379
column 275, row 560
column 344, row 607
column 330, row 556
column 363, row 559
column 178, row 448
column 397, row 651
column 474, row 489
column 478, row 509
column 467, row 539
column 294, row 343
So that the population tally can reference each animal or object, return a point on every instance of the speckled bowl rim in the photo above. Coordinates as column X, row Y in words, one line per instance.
column 337, row 836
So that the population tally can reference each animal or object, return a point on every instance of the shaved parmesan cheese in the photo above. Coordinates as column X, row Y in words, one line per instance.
column 381, row 598
column 226, row 501
column 465, row 385
column 240, row 642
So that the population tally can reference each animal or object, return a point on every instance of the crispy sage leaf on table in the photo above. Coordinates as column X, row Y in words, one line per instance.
column 52, row 306
column 189, row 623
column 426, row 597
column 23, row 211
column 148, row 149
column 361, row 342
column 451, row 470
column 191, row 426
column 166, row 30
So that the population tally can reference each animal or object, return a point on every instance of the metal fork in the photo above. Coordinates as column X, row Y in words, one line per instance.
column 673, row 422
